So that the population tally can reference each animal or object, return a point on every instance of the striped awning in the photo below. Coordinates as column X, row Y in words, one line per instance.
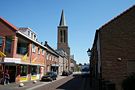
column 2, row 54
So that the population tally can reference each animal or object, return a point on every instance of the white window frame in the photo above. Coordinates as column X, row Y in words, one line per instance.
column 33, row 48
column 38, row 50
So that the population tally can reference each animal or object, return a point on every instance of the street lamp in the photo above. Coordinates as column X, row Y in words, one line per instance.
column 89, row 52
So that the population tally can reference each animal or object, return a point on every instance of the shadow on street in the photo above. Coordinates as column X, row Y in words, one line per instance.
column 79, row 82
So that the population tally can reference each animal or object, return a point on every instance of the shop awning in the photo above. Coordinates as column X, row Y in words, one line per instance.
column 55, row 65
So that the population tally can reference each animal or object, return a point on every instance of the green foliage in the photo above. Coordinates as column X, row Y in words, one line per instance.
column 129, row 82
column 77, row 68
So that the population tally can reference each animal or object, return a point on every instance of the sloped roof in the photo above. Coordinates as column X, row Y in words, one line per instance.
column 9, row 24
column 115, row 18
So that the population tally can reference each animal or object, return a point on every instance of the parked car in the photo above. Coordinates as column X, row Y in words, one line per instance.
column 65, row 73
column 70, row 72
column 49, row 76
column 85, row 72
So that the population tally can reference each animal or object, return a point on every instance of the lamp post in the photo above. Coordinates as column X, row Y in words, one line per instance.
column 89, row 52
column 89, row 55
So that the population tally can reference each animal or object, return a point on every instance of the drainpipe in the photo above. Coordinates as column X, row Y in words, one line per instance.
column 30, row 59
column 3, row 47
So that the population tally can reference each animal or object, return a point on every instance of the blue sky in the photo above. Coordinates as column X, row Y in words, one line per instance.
column 83, row 18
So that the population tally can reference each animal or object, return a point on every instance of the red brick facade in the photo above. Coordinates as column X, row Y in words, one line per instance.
column 16, row 62
column 52, row 59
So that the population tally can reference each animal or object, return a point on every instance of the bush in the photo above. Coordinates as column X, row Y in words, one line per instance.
column 129, row 82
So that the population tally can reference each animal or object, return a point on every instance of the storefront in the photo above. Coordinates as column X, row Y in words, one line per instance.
column 11, row 67
column 21, row 72
column 54, row 68
column 31, row 72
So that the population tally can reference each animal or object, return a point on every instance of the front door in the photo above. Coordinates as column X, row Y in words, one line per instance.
column 12, row 72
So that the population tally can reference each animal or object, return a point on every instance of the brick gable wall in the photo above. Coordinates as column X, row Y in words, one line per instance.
column 117, row 41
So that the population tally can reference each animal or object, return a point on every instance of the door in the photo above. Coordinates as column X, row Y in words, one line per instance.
column 12, row 72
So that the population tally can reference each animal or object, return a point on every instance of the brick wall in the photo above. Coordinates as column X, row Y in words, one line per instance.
column 117, row 41
column 5, row 30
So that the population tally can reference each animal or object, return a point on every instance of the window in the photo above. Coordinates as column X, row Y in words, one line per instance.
column 43, row 51
column 0, row 41
column 33, row 70
column 33, row 48
column 61, row 39
column 8, row 44
column 23, row 70
column 38, row 69
column 56, row 59
column 47, row 56
column 50, row 57
column 38, row 50
column 28, row 33
column 64, row 36
column 22, row 48
column 34, row 37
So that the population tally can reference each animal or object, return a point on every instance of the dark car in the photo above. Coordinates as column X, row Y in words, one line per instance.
column 85, row 72
column 70, row 72
column 65, row 73
column 49, row 76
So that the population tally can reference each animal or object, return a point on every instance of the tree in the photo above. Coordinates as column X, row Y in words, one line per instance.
column 80, row 64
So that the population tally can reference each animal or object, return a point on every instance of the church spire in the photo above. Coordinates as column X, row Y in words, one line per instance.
column 62, row 20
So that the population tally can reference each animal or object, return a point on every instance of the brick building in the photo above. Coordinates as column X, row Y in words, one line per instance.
column 63, row 60
column 52, row 59
column 112, row 54
column 25, row 56
column 62, row 39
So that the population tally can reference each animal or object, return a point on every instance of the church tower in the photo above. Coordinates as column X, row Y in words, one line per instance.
column 62, row 41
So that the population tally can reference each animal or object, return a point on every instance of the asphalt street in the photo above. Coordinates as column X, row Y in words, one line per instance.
column 72, row 82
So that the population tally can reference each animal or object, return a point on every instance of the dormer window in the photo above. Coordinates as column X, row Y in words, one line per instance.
column 34, row 37
column 28, row 33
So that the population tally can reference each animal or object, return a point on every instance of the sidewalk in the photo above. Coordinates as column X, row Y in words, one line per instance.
column 27, row 85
